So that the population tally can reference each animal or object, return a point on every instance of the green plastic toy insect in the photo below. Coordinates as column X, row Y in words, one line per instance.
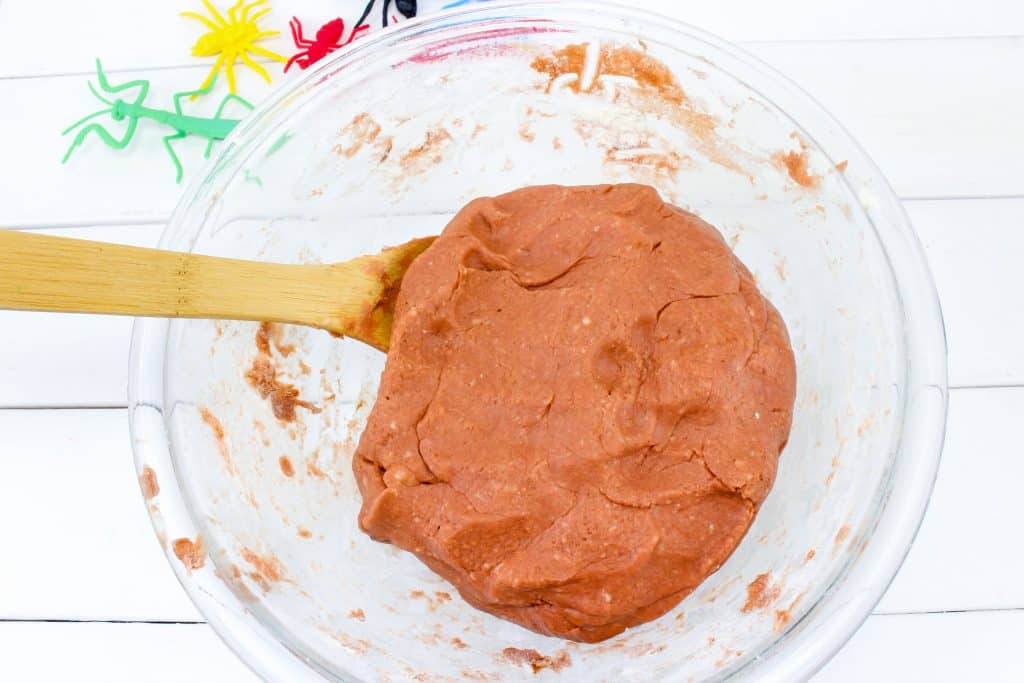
column 213, row 129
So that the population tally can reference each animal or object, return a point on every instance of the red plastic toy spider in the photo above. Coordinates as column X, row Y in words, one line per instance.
column 327, row 40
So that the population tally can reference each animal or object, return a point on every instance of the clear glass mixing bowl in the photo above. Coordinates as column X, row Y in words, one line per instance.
column 385, row 142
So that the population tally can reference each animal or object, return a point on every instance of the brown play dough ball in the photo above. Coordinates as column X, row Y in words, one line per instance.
column 581, row 411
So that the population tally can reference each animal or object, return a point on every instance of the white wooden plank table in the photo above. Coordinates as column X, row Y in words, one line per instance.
column 932, row 88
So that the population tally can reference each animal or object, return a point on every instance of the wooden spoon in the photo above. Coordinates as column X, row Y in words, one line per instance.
column 354, row 299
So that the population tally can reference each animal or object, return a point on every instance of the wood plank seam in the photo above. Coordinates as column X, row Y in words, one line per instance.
column 192, row 65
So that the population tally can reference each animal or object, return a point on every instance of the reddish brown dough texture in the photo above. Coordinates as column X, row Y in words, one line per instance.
column 582, row 409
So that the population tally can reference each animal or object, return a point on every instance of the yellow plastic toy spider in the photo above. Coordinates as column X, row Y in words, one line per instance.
column 233, row 39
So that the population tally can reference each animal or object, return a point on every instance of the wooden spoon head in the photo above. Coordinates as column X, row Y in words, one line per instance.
column 383, row 273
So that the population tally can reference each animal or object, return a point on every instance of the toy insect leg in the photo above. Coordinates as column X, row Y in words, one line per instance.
column 193, row 94
column 248, row 8
column 96, row 128
column 257, row 50
column 259, row 15
column 220, row 110
column 105, row 84
column 210, row 77
column 229, row 69
column 199, row 17
column 217, row 16
column 297, row 35
column 233, row 11
column 174, row 157
column 232, row 98
column 254, row 66
column 107, row 138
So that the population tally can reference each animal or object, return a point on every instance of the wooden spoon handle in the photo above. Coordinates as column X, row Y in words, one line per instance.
column 42, row 273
